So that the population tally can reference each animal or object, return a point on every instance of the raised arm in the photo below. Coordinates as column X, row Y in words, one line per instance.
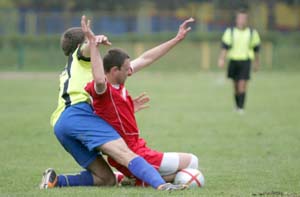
column 85, row 47
column 155, row 53
column 96, row 60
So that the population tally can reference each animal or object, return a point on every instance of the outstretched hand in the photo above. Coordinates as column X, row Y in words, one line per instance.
column 184, row 28
column 140, row 102
column 86, row 28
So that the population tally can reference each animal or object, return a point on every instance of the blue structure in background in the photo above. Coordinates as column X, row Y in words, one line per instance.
column 114, row 24
column 162, row 23
column 55, row 23
column 51, row 24
column 22, row 28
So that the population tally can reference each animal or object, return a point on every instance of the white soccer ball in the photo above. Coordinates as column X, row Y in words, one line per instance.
column 189, row 176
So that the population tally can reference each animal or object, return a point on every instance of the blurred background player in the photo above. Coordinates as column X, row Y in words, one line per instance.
column 242, row 44
column 82, row 133
column 112, row 102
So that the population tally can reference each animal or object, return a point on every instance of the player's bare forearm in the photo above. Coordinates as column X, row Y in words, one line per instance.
column 152, row 55
column 256, row 56
column 157, row 52
column 256, row 62
column 223, row 53
column 96, row 60
column 97, row 68
column 222, row 56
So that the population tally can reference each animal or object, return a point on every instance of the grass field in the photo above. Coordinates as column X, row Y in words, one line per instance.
column 255, row 154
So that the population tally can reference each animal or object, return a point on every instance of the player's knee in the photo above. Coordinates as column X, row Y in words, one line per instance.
column 127, row 156
column 119, row 151
column 104, row 181
column 194, row 162
column 111, row 181
column 124, row 155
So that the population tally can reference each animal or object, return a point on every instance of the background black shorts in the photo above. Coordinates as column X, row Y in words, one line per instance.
column 239, row 70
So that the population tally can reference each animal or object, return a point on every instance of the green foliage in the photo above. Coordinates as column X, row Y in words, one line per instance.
column 282, row 38
column 257, row 153
column 44, row 53
column 30, row 40
column 6, row 4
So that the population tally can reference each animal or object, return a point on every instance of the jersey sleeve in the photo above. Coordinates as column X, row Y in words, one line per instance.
column 255, row 42
column 226, row 39
column 80, row 56
column 90, row 88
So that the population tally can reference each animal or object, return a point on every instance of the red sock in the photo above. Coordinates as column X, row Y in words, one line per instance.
column 119, row 177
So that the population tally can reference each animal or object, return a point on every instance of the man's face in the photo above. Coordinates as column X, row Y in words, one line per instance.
column 123, row 72
column 241, row 20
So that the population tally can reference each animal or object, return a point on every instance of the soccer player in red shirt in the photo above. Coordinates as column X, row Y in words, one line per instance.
column 81, row 132
column 112, row 102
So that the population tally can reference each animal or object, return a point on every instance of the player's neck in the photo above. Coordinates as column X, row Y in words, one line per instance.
column 241, row 27
column 111, row 80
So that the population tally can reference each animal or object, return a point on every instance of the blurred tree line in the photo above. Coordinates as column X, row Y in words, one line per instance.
column 75, row 5
column 115, row 5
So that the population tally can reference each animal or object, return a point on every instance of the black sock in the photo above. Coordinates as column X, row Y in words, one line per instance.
column 241, row 100
column 236, row 97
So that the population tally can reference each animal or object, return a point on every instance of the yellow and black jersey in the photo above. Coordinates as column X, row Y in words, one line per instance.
column 241, row 43
column 73, row 79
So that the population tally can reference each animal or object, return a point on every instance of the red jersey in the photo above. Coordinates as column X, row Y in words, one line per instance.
column 116, row 107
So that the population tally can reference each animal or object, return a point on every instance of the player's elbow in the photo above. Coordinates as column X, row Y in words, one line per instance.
column 225, row 46
column 108, row 180
column 100, row 81
column 100, row 86
column 111, row 181
column 256, row 48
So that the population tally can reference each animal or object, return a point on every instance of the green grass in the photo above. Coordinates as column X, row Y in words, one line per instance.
column 240, row 155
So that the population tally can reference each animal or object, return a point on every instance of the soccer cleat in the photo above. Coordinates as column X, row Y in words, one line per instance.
column 172, row 187
column 49, row 179
column 122, row 180
column 128, row 181
column 119, row 178
column 240, row 111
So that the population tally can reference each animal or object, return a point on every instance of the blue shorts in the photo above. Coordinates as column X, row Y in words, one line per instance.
column 80, row 131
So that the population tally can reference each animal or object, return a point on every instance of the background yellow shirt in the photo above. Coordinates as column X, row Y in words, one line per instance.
column 241, row 42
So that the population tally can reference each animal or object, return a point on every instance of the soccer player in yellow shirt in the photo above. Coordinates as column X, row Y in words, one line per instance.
column 81, row 132
column 241, row 44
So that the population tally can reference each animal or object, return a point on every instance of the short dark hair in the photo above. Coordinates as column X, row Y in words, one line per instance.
column 242, row 11
column 114, row 57
column 70, row 40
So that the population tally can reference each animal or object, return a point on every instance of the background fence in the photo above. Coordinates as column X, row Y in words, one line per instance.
column 30, row 29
